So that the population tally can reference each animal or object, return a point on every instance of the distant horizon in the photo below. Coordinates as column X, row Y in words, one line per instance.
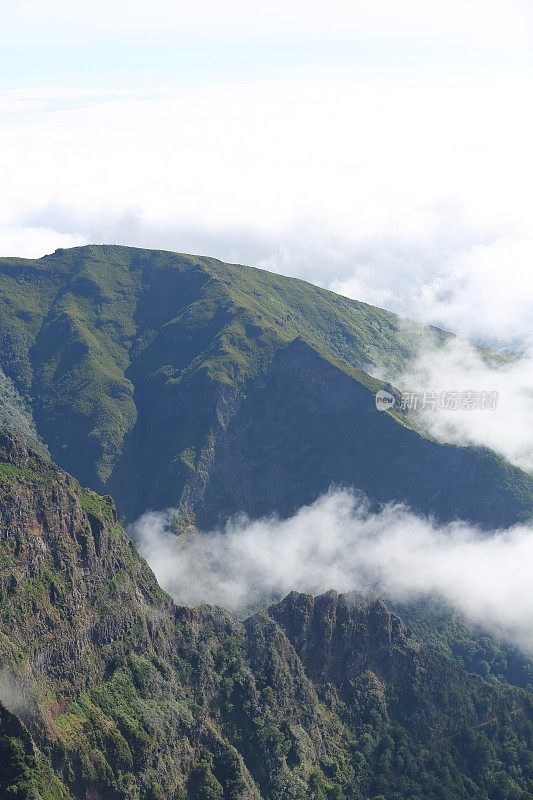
column 381, row 152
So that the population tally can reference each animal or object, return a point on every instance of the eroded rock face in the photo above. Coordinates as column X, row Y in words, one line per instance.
column 346, row 641
column 339, row 636
column 122, row 695
column 73, row 583
column 90, row 639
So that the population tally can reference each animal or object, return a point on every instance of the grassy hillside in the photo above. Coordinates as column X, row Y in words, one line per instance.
column 121, row 695
column 176, row 380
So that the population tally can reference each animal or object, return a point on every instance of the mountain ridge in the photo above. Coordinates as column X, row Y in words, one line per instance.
column 136, row 363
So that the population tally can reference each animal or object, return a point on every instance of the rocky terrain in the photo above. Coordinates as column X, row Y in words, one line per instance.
column 108, row 691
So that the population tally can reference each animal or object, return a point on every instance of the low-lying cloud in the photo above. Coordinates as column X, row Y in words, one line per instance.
column 337, row 543
column 441, row 370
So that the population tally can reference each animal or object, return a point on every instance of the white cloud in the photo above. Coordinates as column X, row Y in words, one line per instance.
column 336, row 543
column 482, row 291
column 32, row 242
column 456, row 367
column 412, row 194
column 13, row 694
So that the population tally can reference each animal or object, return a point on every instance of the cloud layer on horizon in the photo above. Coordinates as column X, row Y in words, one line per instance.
column 412, row 195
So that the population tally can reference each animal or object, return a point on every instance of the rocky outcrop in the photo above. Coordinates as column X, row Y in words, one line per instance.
column 338, row 637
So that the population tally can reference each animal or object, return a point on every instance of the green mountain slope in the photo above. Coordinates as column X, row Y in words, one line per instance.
column 181, row 381
column 16, row 415
column 121, row 695
column 472, row 646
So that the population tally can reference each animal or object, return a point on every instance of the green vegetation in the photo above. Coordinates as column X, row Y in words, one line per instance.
column 158, row 376
column 24, row 773
column 101, row 508
column 10, row 473
column 181, row 381
column 125, row 696
column 16, row 416
column 472, row 647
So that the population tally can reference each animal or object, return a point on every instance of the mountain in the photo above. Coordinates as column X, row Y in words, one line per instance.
column 180, row 381
column 446, row 631
column 108, row 691
column 16, row 414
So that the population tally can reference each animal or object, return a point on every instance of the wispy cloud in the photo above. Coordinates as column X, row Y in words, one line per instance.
column 456, row 367
column 13, row 695
column 337, row 543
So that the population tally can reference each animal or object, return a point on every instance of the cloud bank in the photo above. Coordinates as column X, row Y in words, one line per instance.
column 336, row 543
column 408, row 193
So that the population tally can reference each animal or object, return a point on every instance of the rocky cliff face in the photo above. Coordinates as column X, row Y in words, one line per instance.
column 343, row 639
column 108, row 691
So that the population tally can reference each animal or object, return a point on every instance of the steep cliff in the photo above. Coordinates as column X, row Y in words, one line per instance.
column 108, row 691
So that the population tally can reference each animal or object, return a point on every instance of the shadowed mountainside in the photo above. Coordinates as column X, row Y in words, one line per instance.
column 180, row 381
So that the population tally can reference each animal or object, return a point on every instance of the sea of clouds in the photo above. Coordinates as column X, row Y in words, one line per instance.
column 405, row 194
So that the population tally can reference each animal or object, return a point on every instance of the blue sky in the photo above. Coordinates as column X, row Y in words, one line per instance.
column 139, row 43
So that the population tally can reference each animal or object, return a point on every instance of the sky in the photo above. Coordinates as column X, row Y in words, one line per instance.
column 380, row 149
